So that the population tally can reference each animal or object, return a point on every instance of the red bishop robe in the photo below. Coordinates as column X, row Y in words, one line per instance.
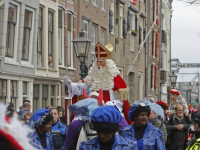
column 119, row 88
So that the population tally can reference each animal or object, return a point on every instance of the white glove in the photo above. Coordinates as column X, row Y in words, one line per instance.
column 66, row 80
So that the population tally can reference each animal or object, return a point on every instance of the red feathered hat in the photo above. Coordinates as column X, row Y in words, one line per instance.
column 14, row 132
column 163, row 104
column 173, row 91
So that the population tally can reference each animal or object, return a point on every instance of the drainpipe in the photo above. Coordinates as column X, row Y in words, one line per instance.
column 146, row 52
column 161, row 28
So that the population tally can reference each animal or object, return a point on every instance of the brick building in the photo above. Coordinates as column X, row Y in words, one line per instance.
column 154, row 19
column 127, row 32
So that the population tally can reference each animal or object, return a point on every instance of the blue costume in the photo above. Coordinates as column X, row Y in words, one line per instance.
column 58, row 132
column 35, row 122
column 37, row 144
column 111, row 116
column 152, row 138
column 119, row 144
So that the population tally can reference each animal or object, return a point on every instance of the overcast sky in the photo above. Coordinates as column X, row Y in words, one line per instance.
column 186, row 36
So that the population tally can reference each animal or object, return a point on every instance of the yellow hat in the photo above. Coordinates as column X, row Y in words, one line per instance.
column 103, row 52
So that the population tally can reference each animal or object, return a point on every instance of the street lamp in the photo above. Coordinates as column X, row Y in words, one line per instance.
column 81, row 46
column 190, row 86
column 173, row 79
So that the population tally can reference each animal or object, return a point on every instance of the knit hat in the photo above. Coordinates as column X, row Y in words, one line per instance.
column 14, row 132
column 106, row 114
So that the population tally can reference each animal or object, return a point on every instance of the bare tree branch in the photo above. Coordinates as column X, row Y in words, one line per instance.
column 192, row 2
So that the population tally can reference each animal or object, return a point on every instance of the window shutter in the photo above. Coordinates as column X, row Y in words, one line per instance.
column 136, row 22
column 158, row 12
column 158, row 8
column 153, row 42
column 140, row 35
column 156, row 77
column 128, row 20
column 144, row 36
column 157, row 43
column 124, row 28
column 134, row 2
column 152, row 67
column 110, row 20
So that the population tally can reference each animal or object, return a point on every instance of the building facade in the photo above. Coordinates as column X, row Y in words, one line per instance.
column 127, row 31
column 36, row 49
column 165, row 68
column 46, row 86
column 68, row 64
column 18, row 42
column 154, row 26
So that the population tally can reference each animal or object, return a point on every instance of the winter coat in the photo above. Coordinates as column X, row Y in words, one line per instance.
column 178, row 138
column 37, row 144
column 180, row 100
column 119, row 144
column 152, row 138
column 23, row 112
column 58, row 132
column 164, row 130
column 195, row 145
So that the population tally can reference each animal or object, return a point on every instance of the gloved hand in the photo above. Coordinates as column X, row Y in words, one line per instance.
column 66, row 80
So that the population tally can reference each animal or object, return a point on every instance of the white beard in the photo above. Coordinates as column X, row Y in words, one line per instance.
column 102, row 77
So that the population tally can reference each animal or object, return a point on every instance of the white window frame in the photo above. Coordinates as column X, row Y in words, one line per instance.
column 13, row 60
column 28, row 63
column 103, row 34
column 112, row 7
column 40, row 63
column 103, row 5
column 62, row 40
column 27, row 86
column 94, row 41
column 121, row 21
column 54, row 96
column 95, row 2
column 71, row 62
column 140, row 85
column 86, row 32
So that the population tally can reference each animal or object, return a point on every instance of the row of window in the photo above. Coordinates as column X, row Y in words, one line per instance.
column 96, row 3
column 14, row 93
column 11, row 40
column 11, row 27
column 94, row 35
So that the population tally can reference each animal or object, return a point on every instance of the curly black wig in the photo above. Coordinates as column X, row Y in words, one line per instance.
column 139, row 110
column 47, row 119
column 105, row 127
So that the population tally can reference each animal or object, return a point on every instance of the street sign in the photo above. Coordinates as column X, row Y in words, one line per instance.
column 186, row 65
column 177, row 65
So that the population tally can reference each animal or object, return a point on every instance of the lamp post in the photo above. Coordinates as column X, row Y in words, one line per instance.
column 81, row 46
column 190, row 86
column 173, row 79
